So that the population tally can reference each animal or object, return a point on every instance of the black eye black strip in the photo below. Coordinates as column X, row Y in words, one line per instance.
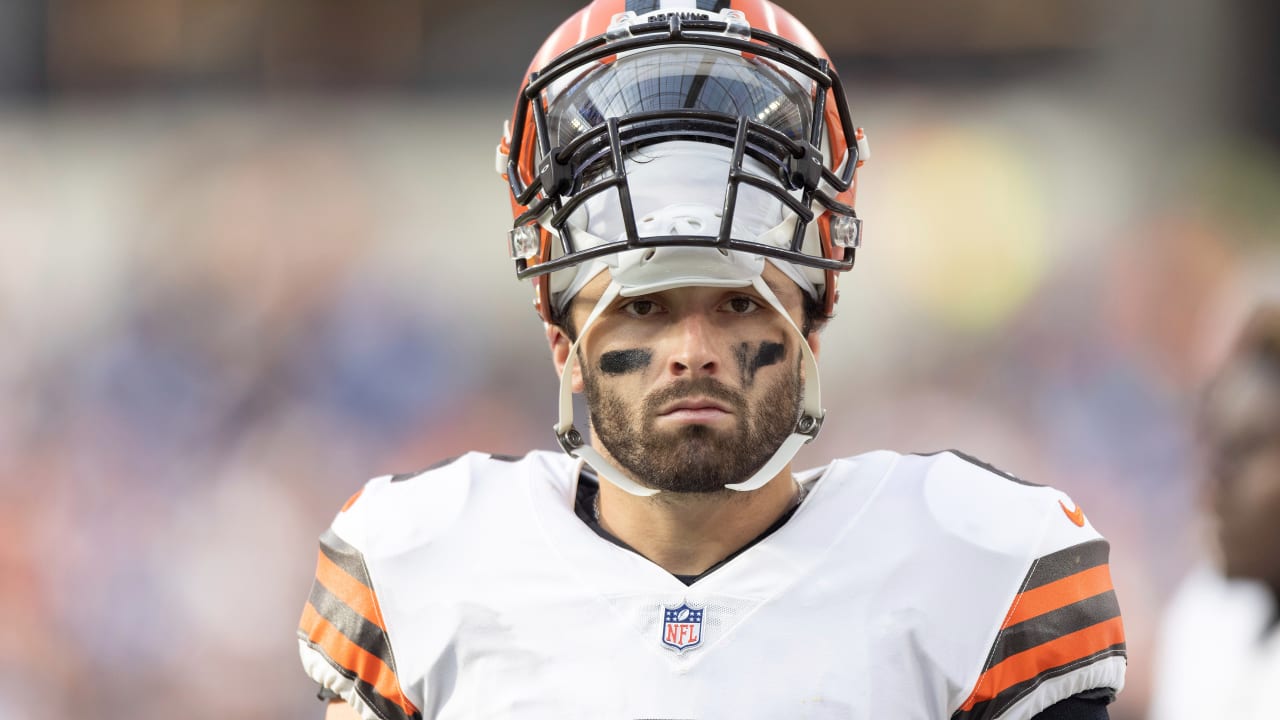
column 766, row 353
column 621, row 362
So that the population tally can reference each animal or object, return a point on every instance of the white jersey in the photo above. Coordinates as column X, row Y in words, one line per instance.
column 1218, row 655
column 903, row 587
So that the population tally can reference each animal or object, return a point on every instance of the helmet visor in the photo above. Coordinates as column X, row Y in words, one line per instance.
column 681, row 78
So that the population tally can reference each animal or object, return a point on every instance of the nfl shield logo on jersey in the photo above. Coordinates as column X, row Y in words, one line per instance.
column 681, row 627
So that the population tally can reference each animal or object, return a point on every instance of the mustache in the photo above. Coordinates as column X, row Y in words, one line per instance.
column 707, row 387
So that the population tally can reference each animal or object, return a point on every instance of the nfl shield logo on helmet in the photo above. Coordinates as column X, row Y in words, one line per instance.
column 681, row 627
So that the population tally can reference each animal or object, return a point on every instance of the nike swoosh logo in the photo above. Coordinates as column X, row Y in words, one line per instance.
column 1076, row 516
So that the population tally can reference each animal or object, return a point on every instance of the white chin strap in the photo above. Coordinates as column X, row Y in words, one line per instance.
column 806, row 428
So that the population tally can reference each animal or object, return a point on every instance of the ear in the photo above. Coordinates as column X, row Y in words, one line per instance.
column 815, row 343
column 560, row 344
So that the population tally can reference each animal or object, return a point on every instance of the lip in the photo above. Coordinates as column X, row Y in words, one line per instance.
column 690, row 407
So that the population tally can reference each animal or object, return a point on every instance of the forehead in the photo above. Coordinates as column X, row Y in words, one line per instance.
column 784, row 287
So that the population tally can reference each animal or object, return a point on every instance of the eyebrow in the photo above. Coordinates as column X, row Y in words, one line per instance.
column 592, row 300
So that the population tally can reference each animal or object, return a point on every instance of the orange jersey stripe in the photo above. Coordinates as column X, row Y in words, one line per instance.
column 1059, row 593
column 349, row 590
column 367, row 667
column 1047, row 656
column 352, row 500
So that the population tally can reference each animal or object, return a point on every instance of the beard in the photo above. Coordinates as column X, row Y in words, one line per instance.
column 694, row 458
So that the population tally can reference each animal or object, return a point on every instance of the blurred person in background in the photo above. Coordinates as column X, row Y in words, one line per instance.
column 1220, row 648
column 682, row 179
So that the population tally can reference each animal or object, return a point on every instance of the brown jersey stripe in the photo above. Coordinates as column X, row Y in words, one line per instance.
column 356, row 663
column 1043, row 628
column 345, row 556
column 993, row 707
column 1069, row 649
column 1059, row 593
column 352, row 624
column 355, row 594
column 1066, row 562
column 381, row 706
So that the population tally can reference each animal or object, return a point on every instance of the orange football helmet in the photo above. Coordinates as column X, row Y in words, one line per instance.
column 623, row 82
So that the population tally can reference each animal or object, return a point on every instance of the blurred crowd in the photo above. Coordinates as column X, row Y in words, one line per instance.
column 213, row 347
column 222, row 314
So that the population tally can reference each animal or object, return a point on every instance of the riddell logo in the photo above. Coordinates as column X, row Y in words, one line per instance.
column 683, row 15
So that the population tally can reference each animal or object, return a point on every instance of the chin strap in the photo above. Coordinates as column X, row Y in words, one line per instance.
column 806, row 429
column 811, row 412
column 569, row 436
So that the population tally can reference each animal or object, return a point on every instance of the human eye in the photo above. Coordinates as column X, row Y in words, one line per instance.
column 641, row 307
column 741, row 305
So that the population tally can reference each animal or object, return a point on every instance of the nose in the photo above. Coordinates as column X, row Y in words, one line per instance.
column 693, row 352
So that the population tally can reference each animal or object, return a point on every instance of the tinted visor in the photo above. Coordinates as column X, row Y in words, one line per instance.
column 677, row 79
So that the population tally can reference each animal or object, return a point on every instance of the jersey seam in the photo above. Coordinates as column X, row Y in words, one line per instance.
column 386, row 627
column 1061, row 671
column 346, row 673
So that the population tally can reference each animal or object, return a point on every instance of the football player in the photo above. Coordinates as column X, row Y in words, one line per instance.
column 1220, row 638
column 682, row 175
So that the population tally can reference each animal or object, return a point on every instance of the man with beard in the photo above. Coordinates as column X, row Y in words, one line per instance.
column 682, row 184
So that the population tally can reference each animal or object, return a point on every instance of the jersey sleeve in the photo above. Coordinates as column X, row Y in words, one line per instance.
column 1062, row 634
column 342, row 636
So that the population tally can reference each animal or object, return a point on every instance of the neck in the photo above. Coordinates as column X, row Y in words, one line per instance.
column 686, row 533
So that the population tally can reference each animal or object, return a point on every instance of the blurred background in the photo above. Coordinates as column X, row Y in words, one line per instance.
column 252, row 252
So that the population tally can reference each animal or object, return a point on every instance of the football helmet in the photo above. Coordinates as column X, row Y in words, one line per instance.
column 627, row 103
column 678, row 143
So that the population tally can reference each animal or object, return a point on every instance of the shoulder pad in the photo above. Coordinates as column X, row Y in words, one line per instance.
column 996, row 510
column 392, row 512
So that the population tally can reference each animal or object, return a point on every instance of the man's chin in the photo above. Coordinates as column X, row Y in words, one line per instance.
column 691, row 481
column 684, row 434
column 696, row 470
